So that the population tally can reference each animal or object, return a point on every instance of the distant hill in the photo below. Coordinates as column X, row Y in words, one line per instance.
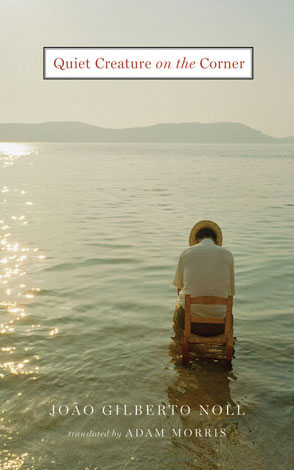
column 187, row 132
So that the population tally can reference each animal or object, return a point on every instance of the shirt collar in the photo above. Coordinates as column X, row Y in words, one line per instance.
column 206, row 241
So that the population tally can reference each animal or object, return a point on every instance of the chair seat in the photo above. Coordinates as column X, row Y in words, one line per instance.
column 226, row 338
column 218, row 339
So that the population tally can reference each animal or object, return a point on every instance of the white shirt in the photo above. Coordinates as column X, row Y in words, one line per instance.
column 205, row 269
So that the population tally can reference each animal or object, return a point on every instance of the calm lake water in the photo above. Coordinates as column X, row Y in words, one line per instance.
column 90, row 239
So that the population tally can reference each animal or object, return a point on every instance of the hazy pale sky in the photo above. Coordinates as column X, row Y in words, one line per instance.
column 265, row 103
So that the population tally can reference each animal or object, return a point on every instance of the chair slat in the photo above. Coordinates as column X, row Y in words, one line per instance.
column 197, row 319
column 209, row 300
column 220, row 339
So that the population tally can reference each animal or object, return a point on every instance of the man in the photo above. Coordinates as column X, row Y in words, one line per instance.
column 204, row 269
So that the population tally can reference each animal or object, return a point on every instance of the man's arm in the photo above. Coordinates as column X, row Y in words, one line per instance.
column 178, row 279
column 232, row 282
column 232, row 278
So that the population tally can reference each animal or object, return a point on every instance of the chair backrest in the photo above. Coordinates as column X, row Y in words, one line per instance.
column 208, row 300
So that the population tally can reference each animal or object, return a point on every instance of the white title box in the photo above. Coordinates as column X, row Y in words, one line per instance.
column 145, row 63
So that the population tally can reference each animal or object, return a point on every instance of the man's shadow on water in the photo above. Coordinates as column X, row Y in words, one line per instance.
column 207, row 381
column 204, row 381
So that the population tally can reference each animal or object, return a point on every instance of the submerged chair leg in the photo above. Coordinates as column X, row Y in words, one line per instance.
column 185, row 351
column 230, row 348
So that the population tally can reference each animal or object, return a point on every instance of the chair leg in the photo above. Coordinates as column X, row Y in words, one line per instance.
column 185, row 351
column 230, row 348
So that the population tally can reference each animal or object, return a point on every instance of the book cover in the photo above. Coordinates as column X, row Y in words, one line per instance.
column 122, row 125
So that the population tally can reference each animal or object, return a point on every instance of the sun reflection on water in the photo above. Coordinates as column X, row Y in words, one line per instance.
column 17, row 292
column 11, row 461
column 11, row 151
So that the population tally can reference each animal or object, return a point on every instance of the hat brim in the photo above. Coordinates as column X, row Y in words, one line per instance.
column 205, row 224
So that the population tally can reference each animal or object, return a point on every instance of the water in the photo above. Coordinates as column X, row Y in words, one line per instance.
column 90, row 238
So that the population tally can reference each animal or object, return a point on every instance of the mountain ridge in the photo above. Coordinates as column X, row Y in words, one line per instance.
column 186, row 132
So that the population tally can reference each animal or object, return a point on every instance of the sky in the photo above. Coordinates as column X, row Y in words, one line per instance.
column 265, row 103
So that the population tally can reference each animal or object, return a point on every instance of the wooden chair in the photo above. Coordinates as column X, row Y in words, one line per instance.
column 226, row 338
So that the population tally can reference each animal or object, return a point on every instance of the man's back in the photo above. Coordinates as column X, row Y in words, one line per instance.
column 205, row 269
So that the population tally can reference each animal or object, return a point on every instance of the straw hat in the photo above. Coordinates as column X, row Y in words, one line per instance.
column 205, row 224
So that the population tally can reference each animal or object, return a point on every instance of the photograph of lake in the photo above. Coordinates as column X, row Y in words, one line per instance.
column 91, row 377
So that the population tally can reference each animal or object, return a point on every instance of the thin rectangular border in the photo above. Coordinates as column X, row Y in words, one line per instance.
column 149, row 78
